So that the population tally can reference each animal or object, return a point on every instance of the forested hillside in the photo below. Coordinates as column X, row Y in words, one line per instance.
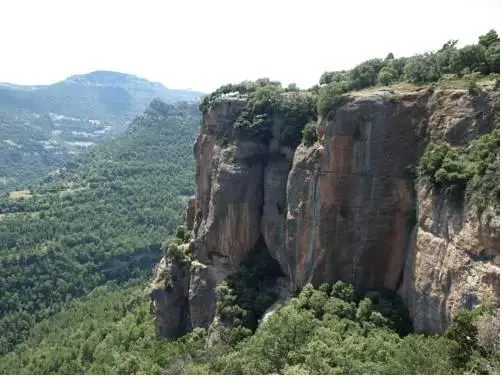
column 329, row 330
column 40, row 126
column 102, row 217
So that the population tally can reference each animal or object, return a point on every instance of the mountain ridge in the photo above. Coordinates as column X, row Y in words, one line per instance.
column 40, row 126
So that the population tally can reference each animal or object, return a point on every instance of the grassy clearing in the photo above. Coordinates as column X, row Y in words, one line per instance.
column 20, row 194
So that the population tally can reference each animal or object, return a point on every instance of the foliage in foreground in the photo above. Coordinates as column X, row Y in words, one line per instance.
column 329, row 330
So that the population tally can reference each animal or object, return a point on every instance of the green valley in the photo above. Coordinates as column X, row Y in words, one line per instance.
column 102, row 217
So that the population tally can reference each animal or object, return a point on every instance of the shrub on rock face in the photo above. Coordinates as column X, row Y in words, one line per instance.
column 296, row 110
column 330, row 96
column 474, row 168
column 445, row 166
column 309, row 135
column 183, row 233
column 174, row 252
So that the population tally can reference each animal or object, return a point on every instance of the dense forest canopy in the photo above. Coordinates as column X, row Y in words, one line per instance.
column 103, row 217
column 328, row 330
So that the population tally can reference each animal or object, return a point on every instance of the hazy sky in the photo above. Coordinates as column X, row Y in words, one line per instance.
column 202, row 44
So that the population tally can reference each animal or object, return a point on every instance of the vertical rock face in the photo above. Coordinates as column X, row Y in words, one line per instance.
column 352, row 205
column 453, row 260
column 228, row 204
column 229, row 188
column 275, row 204
column 350, row 196
column 169, row 295
column 347, row 208
column 190, row 213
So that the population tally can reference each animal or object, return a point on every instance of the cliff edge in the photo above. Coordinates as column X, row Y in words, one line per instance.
column 348, row 207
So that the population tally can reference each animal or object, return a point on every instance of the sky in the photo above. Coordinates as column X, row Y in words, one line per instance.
column 203, row 44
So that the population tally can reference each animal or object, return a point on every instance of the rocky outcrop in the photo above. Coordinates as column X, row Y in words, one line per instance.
column 348, row 207
column 229, row 189
column 453, row 260
column 169, row 298
column 190, row 213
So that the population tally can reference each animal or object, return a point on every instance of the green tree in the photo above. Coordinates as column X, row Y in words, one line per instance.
column 292, row 88
column 390, row 56
column 420, row 69
column 365, row 74
column 471, row 57
column 465, row 335
column 489, row 38
column 309, row 135
column 387, row 75
column 445, row 56
column 492, row 57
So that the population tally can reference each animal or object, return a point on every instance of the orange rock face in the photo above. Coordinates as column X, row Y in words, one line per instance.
column 349, row 208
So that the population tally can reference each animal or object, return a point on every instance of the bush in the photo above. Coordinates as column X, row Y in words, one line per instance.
column 484, row 158
column 255, row 121
column 267, row 101
column 420, row 69
column 445, row 167
column 365, row 74
column 387, row 75
column 465, row 335
column 183, row 233
column 330, row 96
column 492, row 57
column 344, row 291
column 292, row 88
column 243, row 298
column 296, row 110
column 431, row 88
column 339, row 76
column 473, row 88
column 175, row 252
column 474, row 168
column 340, row 308
column 471, row 57
column 309, row 135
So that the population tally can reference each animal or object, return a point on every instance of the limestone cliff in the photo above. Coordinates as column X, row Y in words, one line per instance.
column 346, row 208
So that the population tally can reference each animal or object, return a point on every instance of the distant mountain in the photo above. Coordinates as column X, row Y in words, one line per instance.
column 41, row 125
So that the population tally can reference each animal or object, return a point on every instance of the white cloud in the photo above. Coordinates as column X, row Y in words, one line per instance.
column 203, row 44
